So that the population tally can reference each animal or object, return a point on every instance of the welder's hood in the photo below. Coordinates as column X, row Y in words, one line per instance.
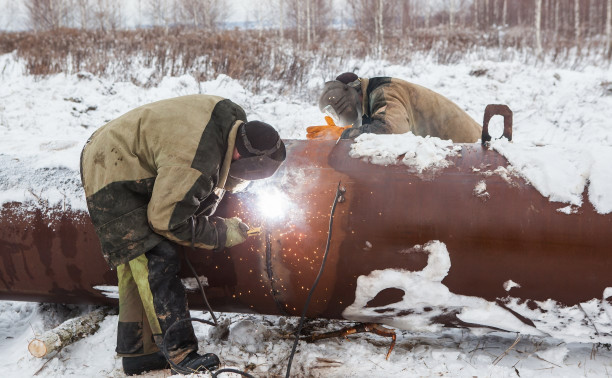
column 258, row 164
column 341, row 102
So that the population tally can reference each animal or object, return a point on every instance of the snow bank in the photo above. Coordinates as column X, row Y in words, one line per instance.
column 425, row 298
column 562, row 172
column 420, row 153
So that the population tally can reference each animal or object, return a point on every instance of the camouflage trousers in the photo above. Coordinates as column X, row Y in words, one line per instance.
column 151, row 299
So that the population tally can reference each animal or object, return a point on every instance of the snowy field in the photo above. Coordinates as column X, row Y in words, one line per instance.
column 562, row 145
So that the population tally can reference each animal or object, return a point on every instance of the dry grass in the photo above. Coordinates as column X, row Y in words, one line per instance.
column 255, row 58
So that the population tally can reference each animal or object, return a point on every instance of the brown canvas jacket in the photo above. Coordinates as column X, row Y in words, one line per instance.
column 394, row 106
column 146, row 173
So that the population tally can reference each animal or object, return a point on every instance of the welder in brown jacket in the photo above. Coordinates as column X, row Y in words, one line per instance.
column 384, row 105
column 153, row 178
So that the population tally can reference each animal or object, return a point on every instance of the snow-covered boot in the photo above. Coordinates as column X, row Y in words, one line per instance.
column 198, row 363
column 140, row 364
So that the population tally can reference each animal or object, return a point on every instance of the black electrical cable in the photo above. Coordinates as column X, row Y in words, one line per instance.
column 180, row 369
column 212, row 314
column 339, row 192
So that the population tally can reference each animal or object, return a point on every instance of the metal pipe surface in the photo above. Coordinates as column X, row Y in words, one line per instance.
column 511, row 233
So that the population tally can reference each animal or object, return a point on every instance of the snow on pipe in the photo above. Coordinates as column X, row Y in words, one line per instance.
column 465, row 245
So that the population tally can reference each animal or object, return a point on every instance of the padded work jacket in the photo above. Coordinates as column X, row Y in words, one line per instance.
column 148, row 172
column 394, row 106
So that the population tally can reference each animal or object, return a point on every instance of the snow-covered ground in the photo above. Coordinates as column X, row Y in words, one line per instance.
column 261, row 345
column 562, row 145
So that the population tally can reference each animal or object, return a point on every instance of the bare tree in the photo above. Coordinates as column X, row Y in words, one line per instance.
column 538, row 21
column 591, row 20
column 83, row 9
column 191, row 12
column 556, row 34
column 281, row 18
column 201, row 14
column 495, row 12
column 107, row 14
column 47, row 14
column 577, row 20
column 609, row 28
column 160, row 12
column 308, row 5
column 371, row 15
column 451, row 14
column 311, row 18
column 403, row 15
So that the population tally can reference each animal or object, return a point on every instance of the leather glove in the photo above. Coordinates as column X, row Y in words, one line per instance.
column 236, row 232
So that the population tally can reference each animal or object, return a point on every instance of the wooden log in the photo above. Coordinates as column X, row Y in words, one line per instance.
column 66, row 333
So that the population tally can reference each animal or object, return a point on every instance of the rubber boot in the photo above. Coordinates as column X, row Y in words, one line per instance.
column 198, row 363
column 140, row 364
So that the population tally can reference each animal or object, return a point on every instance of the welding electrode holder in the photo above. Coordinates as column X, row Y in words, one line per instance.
column 254, row 231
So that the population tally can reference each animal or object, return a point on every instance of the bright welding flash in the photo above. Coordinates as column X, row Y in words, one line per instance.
column 272, row 203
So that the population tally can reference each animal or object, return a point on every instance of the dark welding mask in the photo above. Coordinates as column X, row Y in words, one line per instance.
column 257, row 164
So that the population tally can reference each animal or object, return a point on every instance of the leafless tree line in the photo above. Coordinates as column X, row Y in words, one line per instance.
column 379, row 20
column 110, row 14
column 307, row 21
column 54, row 14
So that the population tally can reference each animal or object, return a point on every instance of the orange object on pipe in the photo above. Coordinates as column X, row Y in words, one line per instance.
column 327, row 132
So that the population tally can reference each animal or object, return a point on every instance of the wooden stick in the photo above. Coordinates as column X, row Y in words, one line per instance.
column 66, row 333
column 501, row 356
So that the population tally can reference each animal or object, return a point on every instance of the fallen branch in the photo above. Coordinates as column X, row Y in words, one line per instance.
column 66, row 333
column 501, row 356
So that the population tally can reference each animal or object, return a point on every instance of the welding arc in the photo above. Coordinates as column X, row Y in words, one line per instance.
column 339, row 193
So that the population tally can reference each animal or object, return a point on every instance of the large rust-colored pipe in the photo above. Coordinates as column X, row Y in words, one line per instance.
column 511, row 233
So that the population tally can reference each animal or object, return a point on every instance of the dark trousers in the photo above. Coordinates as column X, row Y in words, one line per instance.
column 151, row 299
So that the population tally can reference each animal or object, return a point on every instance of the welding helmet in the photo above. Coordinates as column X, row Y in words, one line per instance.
column 261, row 151
column 342, row 102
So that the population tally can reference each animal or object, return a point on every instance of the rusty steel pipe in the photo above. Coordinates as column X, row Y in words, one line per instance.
column 512, row 233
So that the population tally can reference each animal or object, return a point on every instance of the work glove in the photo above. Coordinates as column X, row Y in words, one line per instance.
column 327, row 132
column 324, row 132
column 236, row 232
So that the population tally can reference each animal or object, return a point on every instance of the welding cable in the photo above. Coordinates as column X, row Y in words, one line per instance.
column 180, row 369
column 339, row 192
